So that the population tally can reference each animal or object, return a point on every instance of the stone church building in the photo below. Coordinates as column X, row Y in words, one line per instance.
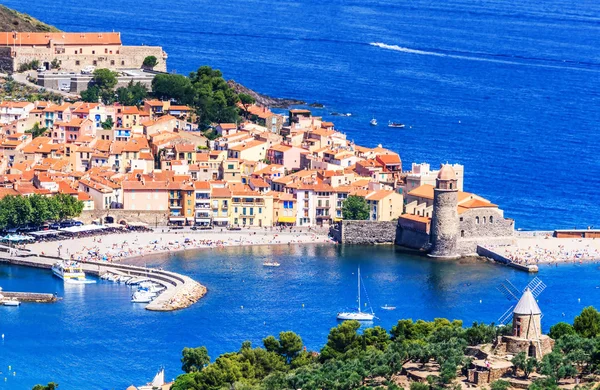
column 450, row 223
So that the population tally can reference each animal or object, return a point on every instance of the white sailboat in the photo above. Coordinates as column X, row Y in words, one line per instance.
column 357, row 315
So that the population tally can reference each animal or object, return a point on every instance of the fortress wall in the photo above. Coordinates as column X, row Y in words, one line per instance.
column 364, row 232
column 500, row 227
column 412, row 239
column 128, row 57
column 135, row 55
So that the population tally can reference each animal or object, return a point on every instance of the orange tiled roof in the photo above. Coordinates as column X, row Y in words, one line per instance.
column 61, row 38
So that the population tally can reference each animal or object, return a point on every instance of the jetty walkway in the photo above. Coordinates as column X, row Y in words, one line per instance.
column 180, row 291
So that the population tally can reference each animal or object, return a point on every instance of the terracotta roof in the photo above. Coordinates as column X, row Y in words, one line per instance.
column 202, row 185
column 476, row 204
column 220, row 193
column 147, row 185
column 416, row 218
column 228, row 126
column 61, row 38
column 379, row 195
column 423, row 191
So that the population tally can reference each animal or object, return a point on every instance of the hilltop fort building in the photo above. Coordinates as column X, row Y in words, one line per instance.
column 74, row 51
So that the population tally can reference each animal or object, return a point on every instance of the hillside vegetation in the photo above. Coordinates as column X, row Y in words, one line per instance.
column 11, row 20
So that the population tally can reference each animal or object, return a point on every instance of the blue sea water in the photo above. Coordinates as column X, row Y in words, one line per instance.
column 507, row 88
column 96, row 338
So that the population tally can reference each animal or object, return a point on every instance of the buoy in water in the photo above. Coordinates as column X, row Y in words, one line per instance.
column 303, row 305
column 241, row 307
column 480, row 301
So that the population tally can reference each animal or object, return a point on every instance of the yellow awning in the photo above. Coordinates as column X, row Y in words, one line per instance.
column 287, row 219
column 337, row 219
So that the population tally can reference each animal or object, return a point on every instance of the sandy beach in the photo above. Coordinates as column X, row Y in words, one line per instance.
column 540, row 250
column 117, row 247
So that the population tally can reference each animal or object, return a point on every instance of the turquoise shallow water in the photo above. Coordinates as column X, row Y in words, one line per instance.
column 96, row 338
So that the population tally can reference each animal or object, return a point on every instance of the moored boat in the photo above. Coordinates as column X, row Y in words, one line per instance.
column 357, row 315
column 70, row 272
column 396, row 125
column 373, row 122
column 386, row 307
column 142, row 296
column 11, row 302
column 271, row 264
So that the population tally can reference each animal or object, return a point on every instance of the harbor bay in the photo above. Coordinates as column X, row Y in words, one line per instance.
column 96, row 337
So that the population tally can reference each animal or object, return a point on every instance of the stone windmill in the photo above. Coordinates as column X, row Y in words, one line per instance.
column 526, row 320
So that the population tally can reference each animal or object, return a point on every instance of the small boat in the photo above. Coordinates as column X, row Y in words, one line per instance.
column 142, row 296
column 373, row 122
column 386, row 307
column 356, row 315
column 271, row 264
column 11, row 302
column 396, row 125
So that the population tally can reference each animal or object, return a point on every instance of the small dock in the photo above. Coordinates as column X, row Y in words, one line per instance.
column 180, row 291
column 28, row 297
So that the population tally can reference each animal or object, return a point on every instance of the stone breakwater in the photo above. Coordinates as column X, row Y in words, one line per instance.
column 180, row 291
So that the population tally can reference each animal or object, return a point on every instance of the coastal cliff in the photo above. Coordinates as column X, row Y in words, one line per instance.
column 11, row 20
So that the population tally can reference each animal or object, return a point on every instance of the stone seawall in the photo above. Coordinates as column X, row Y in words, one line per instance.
column 364, row 232
column 152, row 218
column 412, row 239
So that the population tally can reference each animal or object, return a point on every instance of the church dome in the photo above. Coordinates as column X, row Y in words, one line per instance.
column 446, row 172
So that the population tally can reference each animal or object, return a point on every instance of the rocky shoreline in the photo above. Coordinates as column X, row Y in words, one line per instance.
column 265, row 100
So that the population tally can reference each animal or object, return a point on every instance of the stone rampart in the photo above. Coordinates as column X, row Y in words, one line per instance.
column 412, row 239
column 152, row 218
column 364, row 232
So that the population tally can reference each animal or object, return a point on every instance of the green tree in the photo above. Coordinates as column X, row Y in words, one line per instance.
column 500, row 385
column 36, row 130
column 194, row 359
column 55, row 64
column 67, row 206
column 49, row 386
column 132, row 94
column 108, row 124
column 150, row 62
column 173, row 86
column 561, row 329
column 523, row 363
column 214, row 100
column 341, row 339
column 355, row 208
column 105, row 79
column 91, row 95
column 587, row 324
column 419, row 386
column 40, row 210
column 246, row 101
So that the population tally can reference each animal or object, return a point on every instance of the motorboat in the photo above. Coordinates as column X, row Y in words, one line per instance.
column 373, row 122
column 11, row 302
column 271, row 264
column 386, row 307
column 357, row 315
column 142, row 296
column 396, row 125
column 70, row 272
